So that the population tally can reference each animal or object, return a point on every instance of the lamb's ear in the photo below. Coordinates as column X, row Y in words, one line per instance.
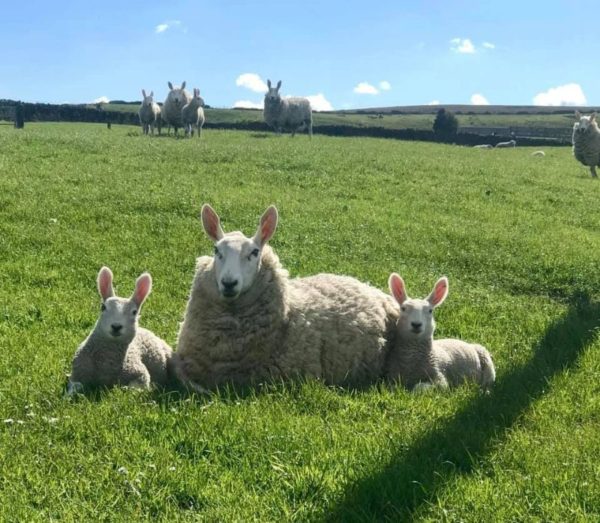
column 211, row 223
column 151, row 93
column 170, row 85
column 577, row 115
column 143, row 286
column 279, row 85
column 269, row 84
column 266, row 226
column 397, row 288
column 144, row 93
column 105, row 287
column 593, row 116
column 439, row 292
column 183, row 85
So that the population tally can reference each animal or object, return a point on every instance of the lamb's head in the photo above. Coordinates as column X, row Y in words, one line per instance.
column 237, row 257
column 148, row 99
column 272, row 96
column 119, row 316
column 584, row 123
column 177, row 95
column 416, row 316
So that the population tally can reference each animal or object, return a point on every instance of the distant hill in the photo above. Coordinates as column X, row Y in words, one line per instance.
column 473, row 109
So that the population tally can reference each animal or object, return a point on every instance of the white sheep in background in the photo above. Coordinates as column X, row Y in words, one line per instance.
column 192, row 115
column 483, row 146
column 286, row 113
column 149, row 113
column 171, row 110
column 246, row 322
column 510, row 143
column 538, row 153
column 419, row 360
column 118, row 351
column 586, row 141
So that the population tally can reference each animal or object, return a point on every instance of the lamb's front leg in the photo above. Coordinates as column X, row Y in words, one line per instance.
column 438, row 381
column 593, row 171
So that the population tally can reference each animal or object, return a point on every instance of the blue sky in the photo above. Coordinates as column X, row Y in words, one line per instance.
column 344, row 54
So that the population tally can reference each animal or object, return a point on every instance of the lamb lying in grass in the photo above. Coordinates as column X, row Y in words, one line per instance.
column 117, row 351
column 419, row 360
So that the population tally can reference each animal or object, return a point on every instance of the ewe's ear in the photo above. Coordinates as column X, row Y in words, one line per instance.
column 211, row 223
column 269, row 84
column 397, row 288
column 439, row 292
column 105, row 287
column 279, row 85
column 183, row 85
column 266, row 226
column 144, row 93
column 151, row 93
column 170, row 85
column 143, row 286
column 577, row 115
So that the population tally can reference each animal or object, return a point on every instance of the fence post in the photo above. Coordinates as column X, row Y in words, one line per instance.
column 19, row 119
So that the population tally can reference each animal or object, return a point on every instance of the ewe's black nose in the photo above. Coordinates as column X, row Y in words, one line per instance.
column 229, row 285
column 416, row 325
column 116, row 327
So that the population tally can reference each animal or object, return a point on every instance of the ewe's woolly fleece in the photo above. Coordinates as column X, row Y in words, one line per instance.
column 287, row 113
column 328, row 327
column 171, row 114
column 100, row 361
column 445, row 362
column 586, row 146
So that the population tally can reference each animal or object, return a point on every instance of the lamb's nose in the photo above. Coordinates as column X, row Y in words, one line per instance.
column 416, row 325
column 116, row 327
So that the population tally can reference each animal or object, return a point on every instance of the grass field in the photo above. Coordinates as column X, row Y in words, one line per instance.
column 517, row 236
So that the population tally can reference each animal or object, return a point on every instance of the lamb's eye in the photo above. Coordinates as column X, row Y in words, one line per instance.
column 103, row 307
column 253, row 253
column 430, row 311
column 403, row 308
column 218, row 254
column 134, row 312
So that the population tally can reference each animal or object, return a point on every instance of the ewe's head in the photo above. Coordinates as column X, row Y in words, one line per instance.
column 584, row 123
column 416, row 316
column 119, row 316
column 273, row 95
column 237, row 257
column 177, row 95
column 148, row 99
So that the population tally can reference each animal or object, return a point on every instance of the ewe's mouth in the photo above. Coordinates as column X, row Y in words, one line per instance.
column 115, row 334
column 416, row 331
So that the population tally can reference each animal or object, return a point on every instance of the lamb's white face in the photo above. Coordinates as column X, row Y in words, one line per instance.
column 237, row 257
column 416, row 315
column 272, row 94
column 584, row 123
column 119, row 316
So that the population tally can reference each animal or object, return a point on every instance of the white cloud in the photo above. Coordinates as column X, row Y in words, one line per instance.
column 434, row 102
column 247, row 104
column 251, row 81
column 384, row 85
column 318, row 102
column 462, row 45
column 101, row 100
column 568, row 94
column 479, row 99
column 366, row 88
column 489, row 45
column 169, row 24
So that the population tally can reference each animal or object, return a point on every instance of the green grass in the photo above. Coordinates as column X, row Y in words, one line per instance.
column 517, row 236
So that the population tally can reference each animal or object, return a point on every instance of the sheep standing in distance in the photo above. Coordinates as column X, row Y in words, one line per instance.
column 419, row 360
column 510, row 143
column 118, row 351
column 192, row 115
column 286, row 113
column 586, row 141
column 149, row 113
column 171, row 110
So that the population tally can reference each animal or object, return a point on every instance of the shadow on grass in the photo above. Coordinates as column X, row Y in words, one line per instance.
column 414, row 477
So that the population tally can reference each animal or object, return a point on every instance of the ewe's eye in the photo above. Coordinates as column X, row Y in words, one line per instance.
column 403, row 308
column 103, row 307
column 218, row 254
column 253, row 253
column 134, row 312
column 430, row 311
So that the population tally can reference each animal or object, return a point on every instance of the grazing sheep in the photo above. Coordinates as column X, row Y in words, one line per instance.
column 246, row 322
column 149, row 113
column 118, row 351
column 286, row 113
column 586, row 141
column 192, row 115
column 483, row 146
column 419, row 360
column 510, row 143
column 538, row 153
column 171, row 110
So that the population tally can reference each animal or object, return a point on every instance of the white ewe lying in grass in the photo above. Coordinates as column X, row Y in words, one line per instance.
column 117, row 351
column 419, row 360
column 510, row 143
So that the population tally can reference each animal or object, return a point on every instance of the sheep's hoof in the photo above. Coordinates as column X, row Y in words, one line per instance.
column 74, row 387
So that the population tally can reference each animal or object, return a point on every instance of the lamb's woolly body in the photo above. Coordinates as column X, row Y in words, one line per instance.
column 288, row 114
column 238, row 341
column 510, row 143
column 192, row 115
column 340, row 330
column 586, row 146
column 100, row 361
column 150, row 117
column 484, row 146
